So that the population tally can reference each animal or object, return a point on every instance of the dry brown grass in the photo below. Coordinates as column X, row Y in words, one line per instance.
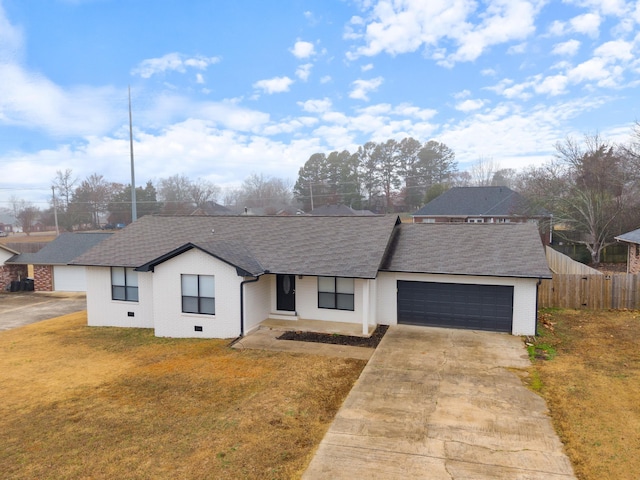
column 80, row 402
column 592, row 387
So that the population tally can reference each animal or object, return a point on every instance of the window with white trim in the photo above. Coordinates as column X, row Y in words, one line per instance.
column 124, row 284
column 198, row 294
column 336, row 293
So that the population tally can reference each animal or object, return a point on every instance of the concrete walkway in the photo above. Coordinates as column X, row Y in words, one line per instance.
column 442, row 404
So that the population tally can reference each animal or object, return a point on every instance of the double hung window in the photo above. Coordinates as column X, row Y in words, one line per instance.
column 336, row 293
column 124, row 284
column 198, row 294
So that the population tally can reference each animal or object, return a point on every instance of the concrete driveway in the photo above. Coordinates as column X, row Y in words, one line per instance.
column 23, row 308
column 437, row 403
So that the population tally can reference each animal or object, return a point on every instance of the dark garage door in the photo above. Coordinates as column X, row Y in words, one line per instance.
column 477, row 307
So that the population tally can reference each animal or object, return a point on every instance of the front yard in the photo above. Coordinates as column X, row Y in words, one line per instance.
column 80, row 402
column 591, row 382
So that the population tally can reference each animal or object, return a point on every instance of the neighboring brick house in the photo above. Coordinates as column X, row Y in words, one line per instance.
column 51, row 269
column 10, row 273
column 632, row 239
column 484, row 205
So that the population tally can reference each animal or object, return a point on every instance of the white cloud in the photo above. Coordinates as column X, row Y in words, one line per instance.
column 367, row 67
column 568, row 48
column 362, row 88
column 199, row 79
column 326, row 79
column 402, row 27
column 553, row 85
column 303, row 71
column 303, row 49
column 172, row 62
column 588, row 24
column 462, row 94
column 32, row 101
column 274, row 85
column 11, row 39
column 315, row 105
column 467, row 106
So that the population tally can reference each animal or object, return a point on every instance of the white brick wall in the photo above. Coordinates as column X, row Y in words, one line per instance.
column 169, row 319
column 104, row 312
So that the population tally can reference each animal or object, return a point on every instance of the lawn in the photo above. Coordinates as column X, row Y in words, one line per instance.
column 591, row 382
column 80, row 402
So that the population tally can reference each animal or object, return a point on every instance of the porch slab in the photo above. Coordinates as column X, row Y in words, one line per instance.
column 265, row 338
column 319, row 326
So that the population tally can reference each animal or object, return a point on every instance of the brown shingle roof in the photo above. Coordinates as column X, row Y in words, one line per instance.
column 332, row 246
column 503, row 250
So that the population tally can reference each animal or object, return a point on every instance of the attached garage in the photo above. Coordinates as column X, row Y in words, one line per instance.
column 472, row 276
column 69, row 278
column 455, row 305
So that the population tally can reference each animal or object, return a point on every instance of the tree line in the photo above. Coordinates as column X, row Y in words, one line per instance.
column 90, row 203
column 591, row 187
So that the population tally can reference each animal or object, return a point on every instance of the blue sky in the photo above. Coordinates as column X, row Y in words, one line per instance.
column 222, row 89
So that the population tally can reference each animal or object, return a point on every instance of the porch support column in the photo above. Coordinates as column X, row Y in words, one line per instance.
column 365, row 306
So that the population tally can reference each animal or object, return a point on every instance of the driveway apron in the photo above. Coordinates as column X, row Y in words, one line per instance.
column 437, row 403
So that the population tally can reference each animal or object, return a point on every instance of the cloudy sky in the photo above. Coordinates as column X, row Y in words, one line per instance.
column 225, row 88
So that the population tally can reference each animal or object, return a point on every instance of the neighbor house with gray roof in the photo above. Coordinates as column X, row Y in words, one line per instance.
column 222, row 276
column 484, row 205
column 632, row 239
column 51, row 264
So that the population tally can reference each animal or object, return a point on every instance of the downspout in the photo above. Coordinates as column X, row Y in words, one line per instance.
column 242, row 284
column 537, row 293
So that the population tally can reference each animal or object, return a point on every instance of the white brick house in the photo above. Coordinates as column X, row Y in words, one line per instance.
column 220, row 277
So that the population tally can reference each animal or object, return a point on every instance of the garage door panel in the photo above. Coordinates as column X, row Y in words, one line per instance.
column 480, row 307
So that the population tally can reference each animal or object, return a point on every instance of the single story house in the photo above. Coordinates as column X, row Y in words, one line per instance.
column 484, row 205
column 220, row 277
column 51, row 269
column 632, row 239
column 10, row 273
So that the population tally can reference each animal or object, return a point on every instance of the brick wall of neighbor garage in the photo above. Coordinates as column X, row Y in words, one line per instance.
column 10, row 273
column 43, row 278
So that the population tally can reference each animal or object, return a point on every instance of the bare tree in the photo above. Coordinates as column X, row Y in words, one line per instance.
column 25, row 214
column 482, row 171
column 64, row 183
column 258, row 191
column 203, row 191
column 176, row 195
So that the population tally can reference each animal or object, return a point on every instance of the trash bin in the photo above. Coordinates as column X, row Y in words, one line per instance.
column 28, row 285
column 15, row 286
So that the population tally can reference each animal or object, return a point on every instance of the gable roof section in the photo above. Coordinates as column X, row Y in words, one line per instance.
column 62, row 250
column 302, row 245
column 630, row 237
column 479, row 201
column 7, row 249
column 502, row 250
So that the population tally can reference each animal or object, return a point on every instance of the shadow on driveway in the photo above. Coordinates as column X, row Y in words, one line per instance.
column 23, row 308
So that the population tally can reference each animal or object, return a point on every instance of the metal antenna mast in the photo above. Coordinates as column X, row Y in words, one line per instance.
column 134, row 207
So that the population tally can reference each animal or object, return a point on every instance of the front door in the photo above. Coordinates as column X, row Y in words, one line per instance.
column 286, row 292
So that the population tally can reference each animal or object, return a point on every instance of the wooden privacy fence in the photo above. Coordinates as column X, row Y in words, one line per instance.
column 561, row 263
column 590, row 291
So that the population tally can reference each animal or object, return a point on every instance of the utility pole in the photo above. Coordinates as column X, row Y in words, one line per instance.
column 134, row 207
column 55, row 209
column 311, row 190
